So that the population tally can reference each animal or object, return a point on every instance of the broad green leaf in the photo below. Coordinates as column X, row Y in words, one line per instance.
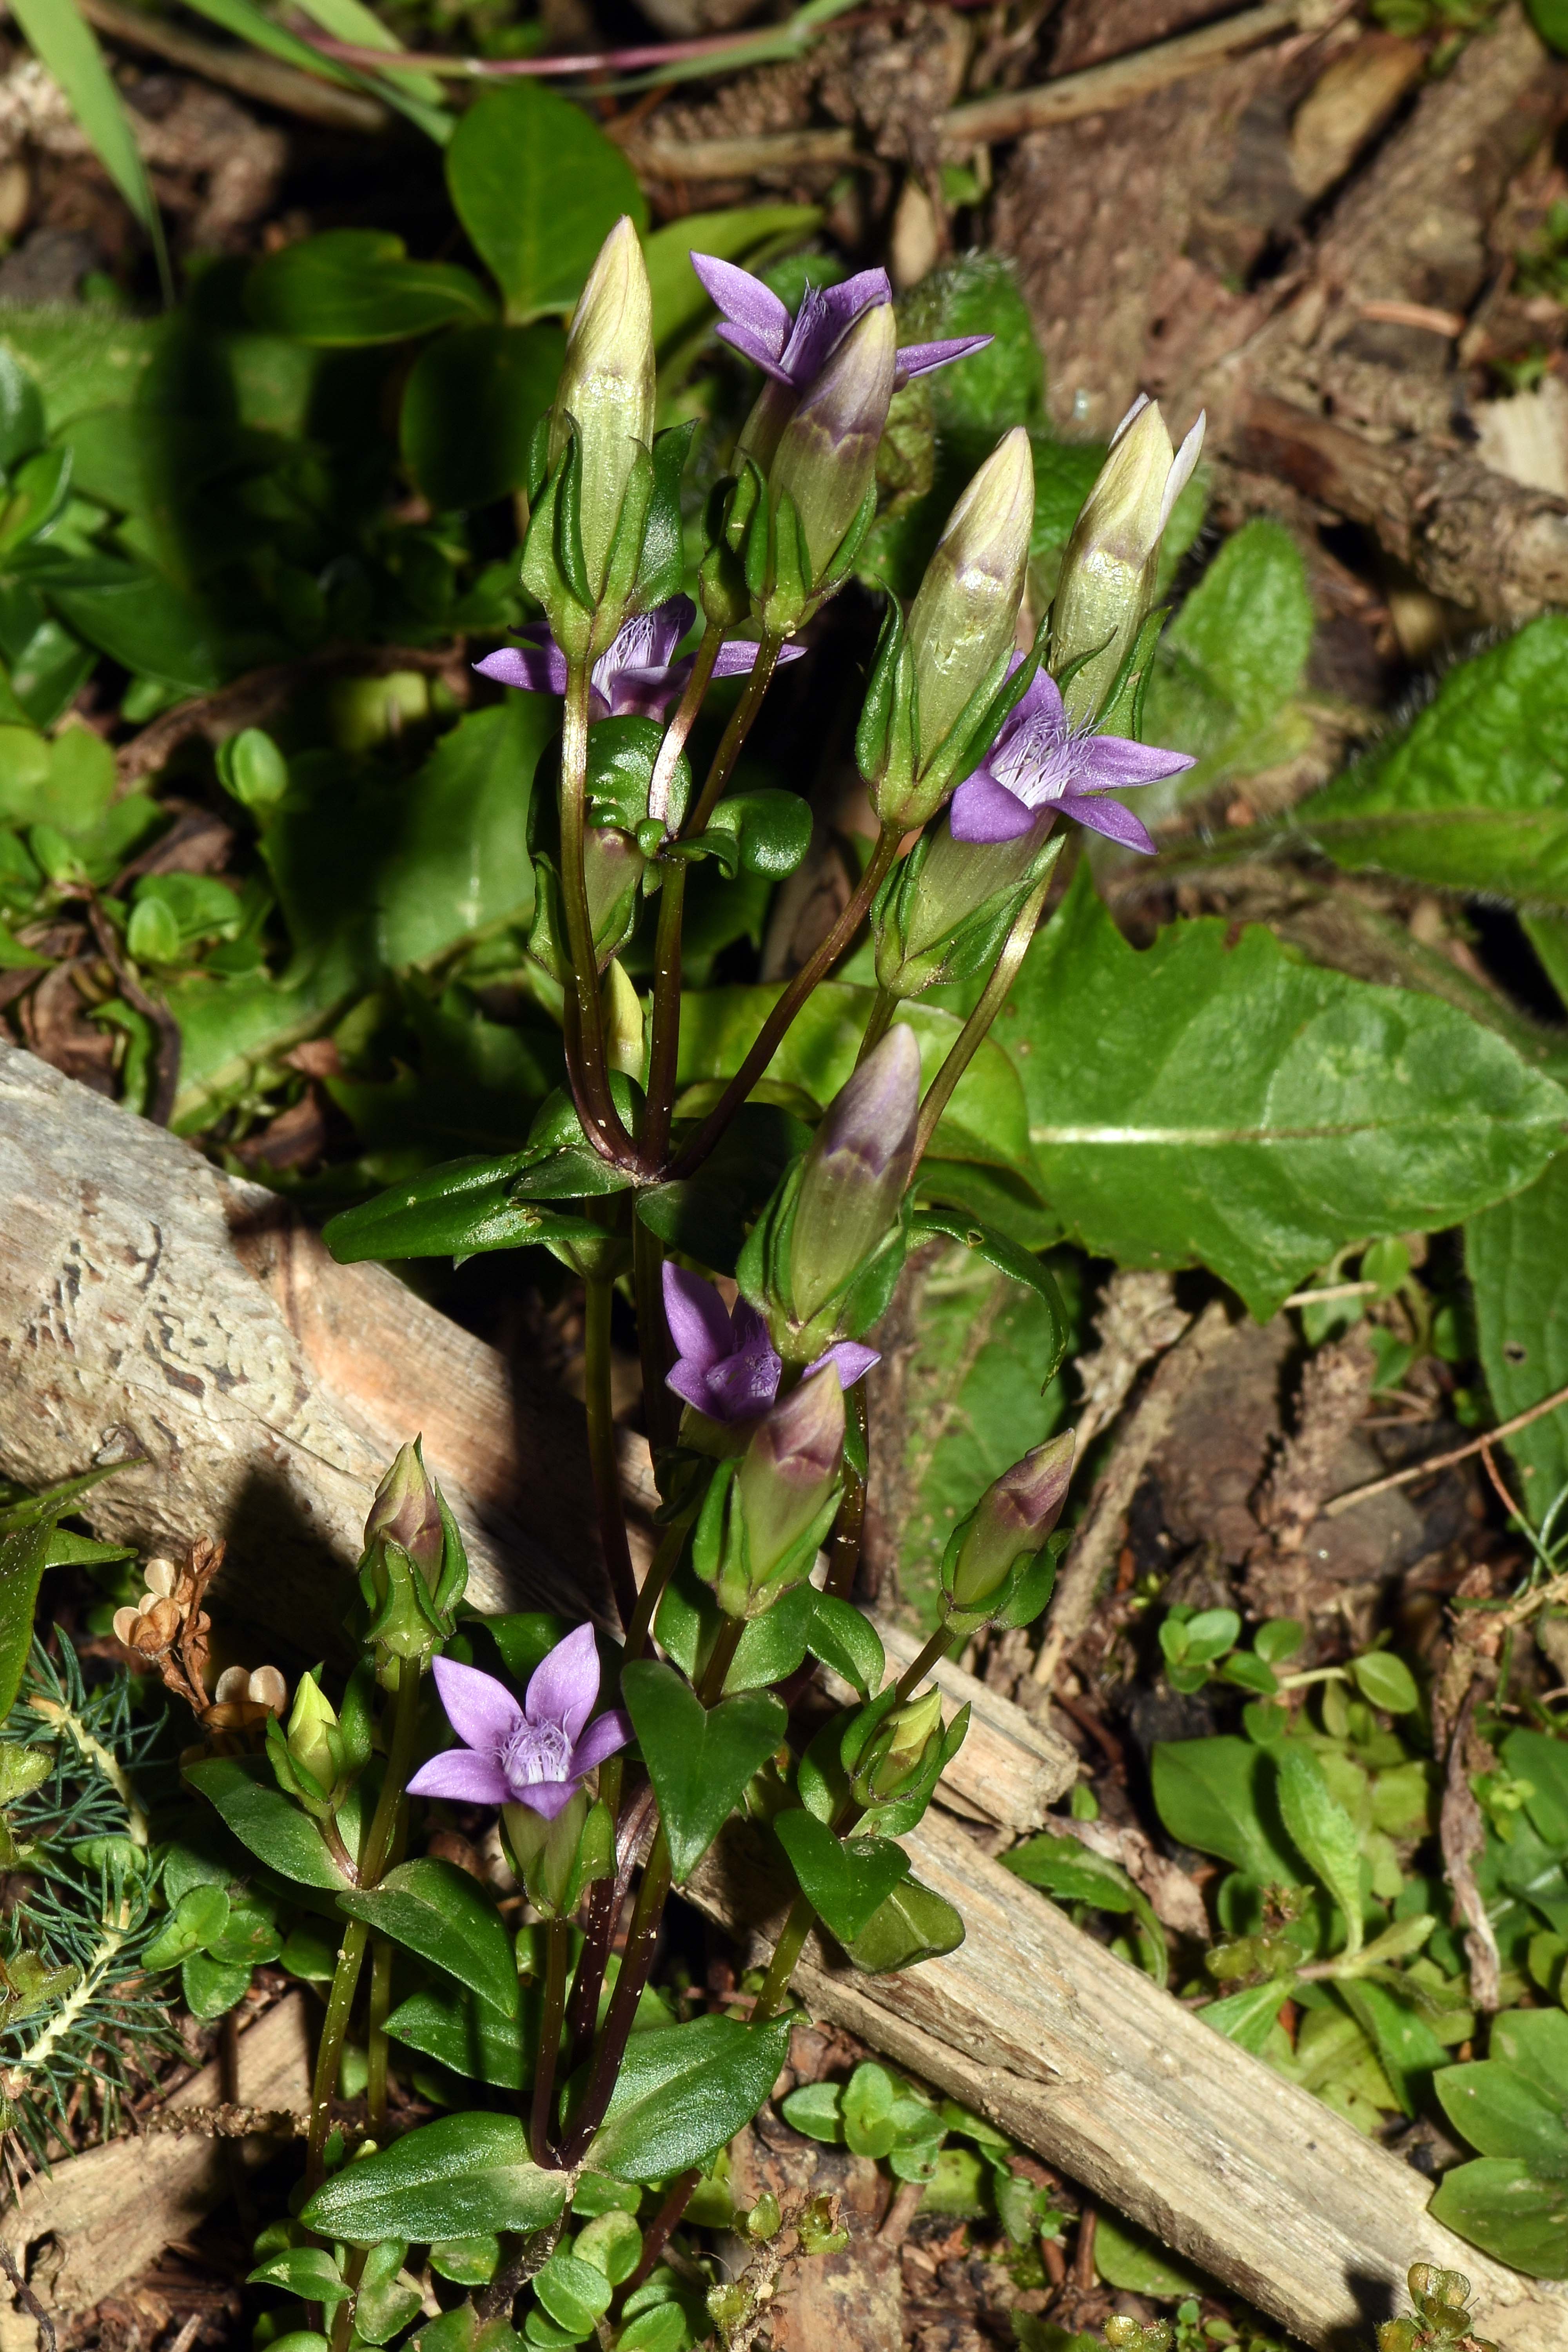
column 1474, row 794
column 67, row 48
column 456, row 2179
column 308, row 2272
column 264, row 1821
column 1386, row 1681
column 1138, row 2265
column 468, row 2034
column 384, row 2302
column 460, row 863
column 613, row 2244
column 437, row 1910
column 458, row 1207
column 141, row 620
column 212, row 1987
column 683, row 2092
column 21, row 410
column 845, row 1880
column 699, row 1758
column 817, row 2110
column 33, row 497
column 574, row 2292
column 1228, row 665
column 914, row 1923
column 1499, row 2205
column 679, row 302
column 1322, row 1831
column 1515, row 1254
column 986, row 1119
column 1535, row 2041
column 539, row 187
column 1409, row 2052
column 1068, row 1870
column 1212, row 1098
column 1219, row 1796
column 471, row 406
column 980, row 1388
column 1248, row 2018
column 23, row 1556
column 1535, row 1758
column 351, row 285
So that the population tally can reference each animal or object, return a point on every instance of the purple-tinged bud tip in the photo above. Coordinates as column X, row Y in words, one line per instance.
column 856, row 1171
column 407, row 1510
column 827, row 453
column 790, row 1470
column 1014, row 1517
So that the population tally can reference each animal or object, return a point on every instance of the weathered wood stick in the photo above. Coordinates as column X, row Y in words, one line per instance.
column 1079, row 2057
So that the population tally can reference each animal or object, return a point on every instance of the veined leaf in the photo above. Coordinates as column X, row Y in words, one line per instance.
column 1213, row 1098
column 539, row 187
column 459, row 2178
column 1515, row 1254
column 683, row 2091
column 699, row 1758
column 437, row 1910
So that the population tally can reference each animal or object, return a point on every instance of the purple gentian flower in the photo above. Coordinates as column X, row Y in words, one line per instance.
column 727, row 1366
column 1039, row 761
column 794, row 351
column 532, row 1755
column 636, row 677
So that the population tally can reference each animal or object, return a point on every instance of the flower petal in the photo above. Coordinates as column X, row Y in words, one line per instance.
column 545, row 1797
column 566, row 1684
column 849, row 1357
column 754, row 348
column 698, row 1319
column 1108, row 817
column 741, row 654
column 1185, row 458
column 481, row 1710
column 919, row 359
column 647, row 693
column 537, row 669
column 605, row 1735
column 1115, row 762
column 745, row 300
column 466, row 1779
column 689, row 1383
column 983, row 810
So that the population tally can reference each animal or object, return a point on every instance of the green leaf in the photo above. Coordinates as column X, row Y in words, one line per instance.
column 1229, row 663
column 574, row 2292
column 143, row 621
column 816, row 2109
column 1550, row 18
column 914, row 1923
column 1219, row 1796
column 264, row 1821
column 539, row 187
column 1320, row 1827
column 1516, row 1255
column 423, row 99
column 707, row 1216
column 468, row 2262
column 251, row 24
column 1536, row 2042
column 23, row 1556
column 1386, row 1681
column 21, row 410
column 765, row 833
column 1211, row 1099
column 437, row 1910
column 1499, row 2205
column 469, row 2035
column 1470, row 796
column 469, row 409
column 67, row 48
column 699, row 1758
column 460, row 863
column 33, row 497
column 1130, row 2259
column 459, row 2178
column 351, row 285
column 1068, row 1870
column 384, row 2305
column 1543, row 1761
column 998, row 1250
column 308, row 2272
column 212, row 1988
column 683, row 2091
column 1248, row 2018
column 845, row 1880
column 455, row 1208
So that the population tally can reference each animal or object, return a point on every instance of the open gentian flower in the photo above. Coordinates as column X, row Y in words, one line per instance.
column 794, row 351
column 1039, row 761
column 637, row 676
column 727, row 1366
column 532, row 1755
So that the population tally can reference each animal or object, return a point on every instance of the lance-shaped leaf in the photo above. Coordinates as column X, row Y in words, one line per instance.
column 21, row 1560
column 437, row 1910
column 262, row 1818
column 458, row 2178
column 914, row 1923
column 1320, row 1825
column 459, row 2029
column 683, row 2092
column 699, row 1758
column 1065, row 1869
column 845, row 1880
column 1516, row 1255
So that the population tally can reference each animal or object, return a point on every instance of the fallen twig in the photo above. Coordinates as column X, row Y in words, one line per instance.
column 1464, row 1835
column 266, row 80
column 30, row 2302
column 1434, row 1462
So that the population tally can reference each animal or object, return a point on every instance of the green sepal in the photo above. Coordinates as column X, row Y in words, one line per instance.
column 788, row 593
column 1121, row 713
column 888, row 735
column 720, row 1553
column 839, row 564
column 661, row 568
column 625, row 551
column 543, row 574
column 1023, row 1593
column 538, row 461
column 765, row 832
column 567, row 537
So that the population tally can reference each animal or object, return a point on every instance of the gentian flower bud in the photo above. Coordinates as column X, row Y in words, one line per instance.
column 790, row 1473
column 966, row 614
column 855, row 1172
column 606, row 389
column 826, row 455
column 1108, row 571
column 895, row 1756
column 310, row 1759
column 1010, row 1524
column 414, row 1569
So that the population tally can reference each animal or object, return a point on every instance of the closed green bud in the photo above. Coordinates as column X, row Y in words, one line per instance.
column 554, row 1859
column 855, row 1172
column 1108, row 571
column 1009, row 1525
column 827, row 456
column 896, row 1756
column 414, row 1569
column 946, row 911
column 309, row 1760
column 964, row 618
column 790, row 1473
column 606, row 390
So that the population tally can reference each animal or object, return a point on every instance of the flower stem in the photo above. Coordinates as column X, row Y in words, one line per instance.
column 661, row 2229
column 682, row 720
column 935, row 1649
column 973, row 1034
column 665, row 1561
column 380, row 2002
column 882, row 1011
column 635, row 1965
column 661, row 1409
column 602, row 1447
column 664, row 1051
column 786, row 1952
column 541, row 2132
column 591, row 1084
column 771, row 1036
